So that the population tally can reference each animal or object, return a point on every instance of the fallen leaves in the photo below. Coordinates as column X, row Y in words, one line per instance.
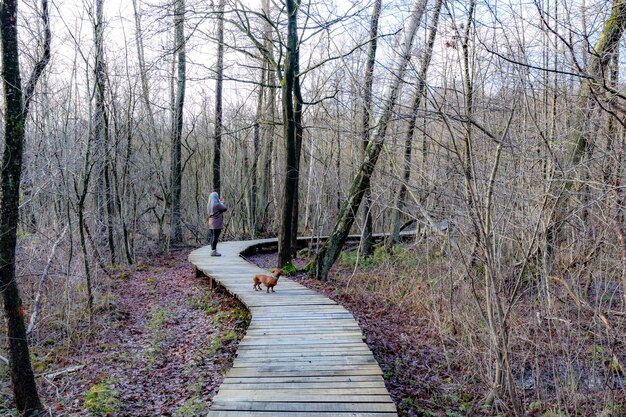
column 160, row 363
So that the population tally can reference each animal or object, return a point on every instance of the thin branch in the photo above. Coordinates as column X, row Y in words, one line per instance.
column 43, row 59
column 42, row 281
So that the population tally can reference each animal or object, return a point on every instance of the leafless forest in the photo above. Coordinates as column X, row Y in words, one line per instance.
column 491, row 130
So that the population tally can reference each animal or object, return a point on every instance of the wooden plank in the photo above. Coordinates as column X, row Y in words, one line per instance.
column 291, row 390
column 310, row 407
column 247, row 372
column 298, row 397
column 299, row 356
column 316, row 339
column 312, row 379
column 295, row 414
column 317, row 335
column 253, row 356
column 311, row 347
column 321, row 365
column 301, row 363
column 303, row 385
column 301, row 330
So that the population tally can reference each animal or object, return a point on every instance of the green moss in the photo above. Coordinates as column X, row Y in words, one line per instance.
column 141, row 267
column 427, row 413
column 214, row 346
column 103, row 398
column 219, row 317
column 554, row 413
column 203, row 303
column 125, row 276
column 289, row 268
column 230, row 336
column 194, row 406
column 612, row 409
column 159, row 316
column 354, row 258
column 241, row 315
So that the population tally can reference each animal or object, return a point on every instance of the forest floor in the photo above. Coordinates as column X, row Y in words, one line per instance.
column 159, row 348
column 162, row 340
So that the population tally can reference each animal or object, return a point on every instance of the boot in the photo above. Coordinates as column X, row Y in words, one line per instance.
column 215, row 253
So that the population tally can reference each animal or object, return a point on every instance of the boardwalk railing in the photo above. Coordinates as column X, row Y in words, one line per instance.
column 303, row 354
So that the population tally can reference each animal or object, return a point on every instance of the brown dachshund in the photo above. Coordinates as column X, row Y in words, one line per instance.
column 268, row 280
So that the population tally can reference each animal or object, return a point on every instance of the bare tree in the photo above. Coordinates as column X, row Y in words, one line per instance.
column 104, row 198
column 580, row 135
column 400, row 193
column 327, row 255
column 219, row 72
column 176, row 173
column 367, row 240
column 292, row 119
column 15, row 110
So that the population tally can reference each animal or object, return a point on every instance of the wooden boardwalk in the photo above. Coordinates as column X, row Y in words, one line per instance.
column 303, row 354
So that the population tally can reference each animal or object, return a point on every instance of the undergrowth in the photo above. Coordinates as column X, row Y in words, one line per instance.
column 423, row 315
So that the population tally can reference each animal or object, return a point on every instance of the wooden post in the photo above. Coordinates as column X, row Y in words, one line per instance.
column 201, row 274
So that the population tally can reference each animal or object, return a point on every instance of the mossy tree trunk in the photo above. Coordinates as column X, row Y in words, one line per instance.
column 15, row 110
column 367, row 239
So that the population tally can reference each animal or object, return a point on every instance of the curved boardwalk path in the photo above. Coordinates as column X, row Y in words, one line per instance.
column 303, row 354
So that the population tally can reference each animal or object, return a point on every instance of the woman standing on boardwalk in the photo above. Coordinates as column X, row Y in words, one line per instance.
column 216, row 209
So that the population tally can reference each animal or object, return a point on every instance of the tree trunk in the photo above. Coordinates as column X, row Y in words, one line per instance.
column 20, row 369
column 217, row 138
column 367, row 241
column 267, row 135
column 408, row 141
column 176, row 236
column 145, row 90
column 468, row 163
column 328, row 254
column 104, row 197
column 291, row 116
column 295, row 217
column 256, row 140
column 41, row 286
column 152, row 186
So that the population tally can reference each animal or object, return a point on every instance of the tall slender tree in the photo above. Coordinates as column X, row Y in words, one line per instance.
column 327, row 255
column 176, row 172
column 367, row 240
column 401, row 191
column 266, row 135
column 468, row 165
column 15, row 111
column 292, row 128
column 219, row 80
column 104, row 195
